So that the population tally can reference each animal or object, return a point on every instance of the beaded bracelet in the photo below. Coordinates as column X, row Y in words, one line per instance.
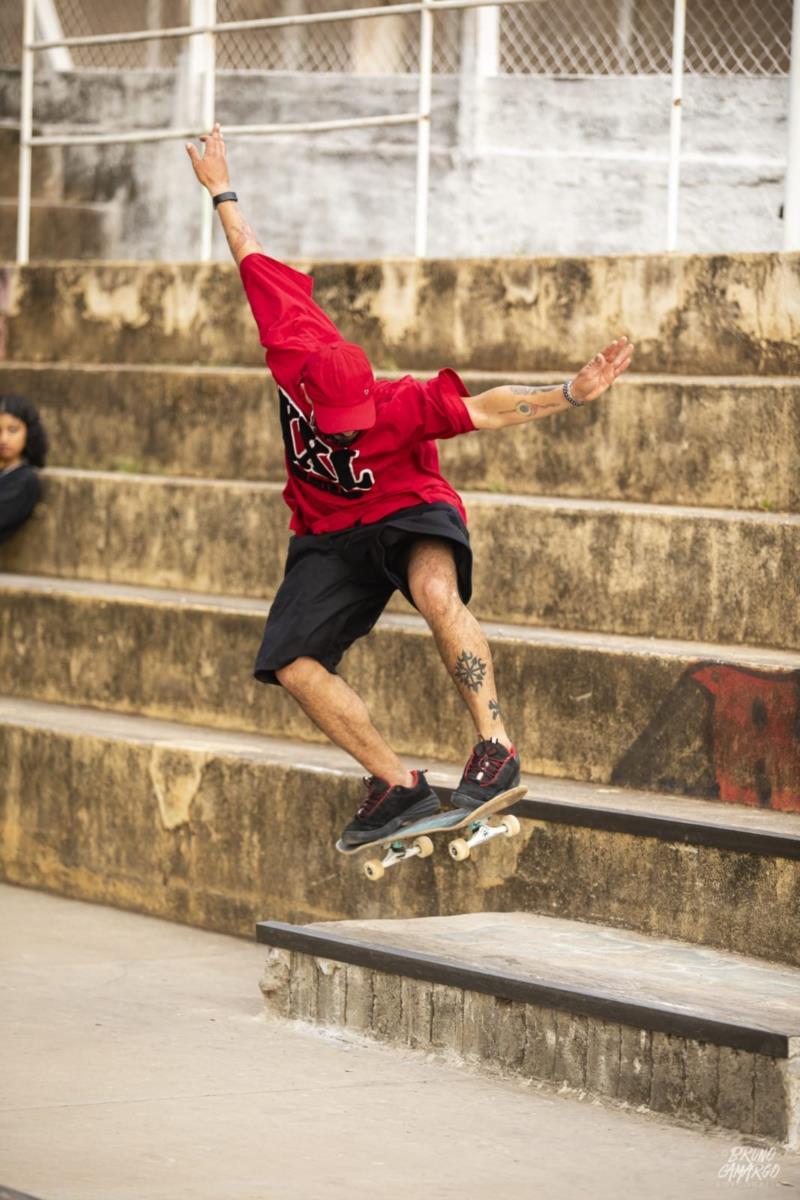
column 567, row 390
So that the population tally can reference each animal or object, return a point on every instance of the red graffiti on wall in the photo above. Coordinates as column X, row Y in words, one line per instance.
column 756, row 735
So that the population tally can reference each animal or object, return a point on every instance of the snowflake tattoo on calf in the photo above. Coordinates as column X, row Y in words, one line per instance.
column 470, row 671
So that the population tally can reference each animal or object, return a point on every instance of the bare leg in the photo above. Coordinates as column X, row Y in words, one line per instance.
column 459, row 638
column 340, row 712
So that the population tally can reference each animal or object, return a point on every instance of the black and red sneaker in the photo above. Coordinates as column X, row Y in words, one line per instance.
column 387, row 808
column 491, row 769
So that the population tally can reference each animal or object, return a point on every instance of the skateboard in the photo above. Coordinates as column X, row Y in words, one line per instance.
column 412, row 841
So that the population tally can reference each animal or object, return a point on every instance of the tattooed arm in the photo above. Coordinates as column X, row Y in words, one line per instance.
column 517, row 404
column 241, row 238
column 212, row 171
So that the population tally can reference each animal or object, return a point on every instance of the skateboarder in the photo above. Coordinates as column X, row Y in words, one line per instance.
column 371, row 513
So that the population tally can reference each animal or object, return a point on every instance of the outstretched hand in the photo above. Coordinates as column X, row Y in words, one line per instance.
column 601, row 371
column 212, row 167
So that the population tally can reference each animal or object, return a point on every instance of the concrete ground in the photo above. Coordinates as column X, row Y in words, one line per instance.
column 138, row 1065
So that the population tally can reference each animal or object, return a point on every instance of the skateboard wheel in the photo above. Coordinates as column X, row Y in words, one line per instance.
column 424, row 845
column 459, row 850
column 512, row 826
column 373, row 869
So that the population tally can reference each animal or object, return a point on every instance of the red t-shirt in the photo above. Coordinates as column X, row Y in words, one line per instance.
column 395, row 464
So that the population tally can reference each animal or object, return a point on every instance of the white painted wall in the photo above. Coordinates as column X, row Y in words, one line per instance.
column 520, row 165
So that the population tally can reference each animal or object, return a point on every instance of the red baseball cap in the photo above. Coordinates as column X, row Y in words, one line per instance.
column 340, row 383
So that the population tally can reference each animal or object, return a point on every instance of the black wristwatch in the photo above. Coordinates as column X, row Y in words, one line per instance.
column 223, row 196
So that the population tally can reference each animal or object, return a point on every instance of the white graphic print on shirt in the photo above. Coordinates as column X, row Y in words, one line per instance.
column 329, row 467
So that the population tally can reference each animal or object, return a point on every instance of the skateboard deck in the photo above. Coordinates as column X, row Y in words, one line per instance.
column 414, row 840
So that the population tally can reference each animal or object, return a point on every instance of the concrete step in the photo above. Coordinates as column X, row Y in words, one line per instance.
column 708, row 1036
column 218, row 829
column 58, row 229
column 700, row 719
column 46, row 168
column 724, row 442
column 694, row 573
column 695, row 314
column 194, row 421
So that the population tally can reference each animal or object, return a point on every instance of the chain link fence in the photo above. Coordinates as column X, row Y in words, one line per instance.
column 634, row 37
column 82, row 18
column 389, row 46
column 545, row 37
column 10, row 34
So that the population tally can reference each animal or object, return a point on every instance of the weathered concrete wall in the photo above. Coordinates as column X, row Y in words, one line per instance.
column 59, row 230
column 654, row 715
column 64, row 223
column 642, row 571
column 690, row 314
column 220, row 838
column 157, row 420
column 47, row 180
column 731, row 443
column 500, row 181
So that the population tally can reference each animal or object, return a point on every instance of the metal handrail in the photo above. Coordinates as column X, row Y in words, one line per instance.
column 317, row 18
column 180, row 135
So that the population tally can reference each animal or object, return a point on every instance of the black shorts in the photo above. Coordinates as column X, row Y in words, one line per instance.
column 336, row 585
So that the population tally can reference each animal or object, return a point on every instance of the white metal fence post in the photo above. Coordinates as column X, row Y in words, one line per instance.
column 154, row 20
column 25, row 134
column 208, row 105
column 674, row 177
column 487, row 50
column 791, row 206
column 424, row 127
column 625, row 32
column 46, row 17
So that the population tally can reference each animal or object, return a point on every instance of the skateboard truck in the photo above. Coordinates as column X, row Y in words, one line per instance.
column 480, row 832
column 374, row 867
column 460, row 848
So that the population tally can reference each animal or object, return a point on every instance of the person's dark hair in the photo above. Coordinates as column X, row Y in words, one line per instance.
column 36, row 444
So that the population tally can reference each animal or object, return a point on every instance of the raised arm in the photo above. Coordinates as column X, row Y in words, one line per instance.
column 515, row 404
column 211, row 168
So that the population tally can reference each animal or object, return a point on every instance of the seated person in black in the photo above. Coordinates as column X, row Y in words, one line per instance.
column 23, row 447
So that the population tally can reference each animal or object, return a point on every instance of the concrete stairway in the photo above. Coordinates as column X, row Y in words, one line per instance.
column 63, row 223
column 643, row 614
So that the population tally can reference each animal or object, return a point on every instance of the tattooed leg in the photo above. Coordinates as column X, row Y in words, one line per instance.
column 469, row 671
column 459, row 638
